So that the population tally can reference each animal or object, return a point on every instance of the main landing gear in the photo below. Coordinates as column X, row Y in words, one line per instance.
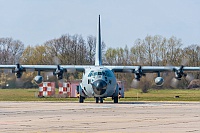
column 115, row 99
column 116, row 95
column 81, row 99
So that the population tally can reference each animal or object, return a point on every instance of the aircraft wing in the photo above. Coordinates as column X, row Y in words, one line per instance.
column 81, row 68
column 191, row 68
column 47, row 68
column 151, row 69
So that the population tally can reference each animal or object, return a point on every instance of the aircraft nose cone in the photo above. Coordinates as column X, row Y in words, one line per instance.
column 99, row 87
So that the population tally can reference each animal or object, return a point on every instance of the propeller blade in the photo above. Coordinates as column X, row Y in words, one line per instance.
column 189, row 77
column 47, row 75
column 30, row 70
column 61, row 81
column 184, row 61
column 174, row 83
column 71, row 70
column 127, row 71
column 7, row 71
column 135, row 83
column 56, row 60
column 19, row 82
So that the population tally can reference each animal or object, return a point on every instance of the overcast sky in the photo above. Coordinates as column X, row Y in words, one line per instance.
column 123, row 21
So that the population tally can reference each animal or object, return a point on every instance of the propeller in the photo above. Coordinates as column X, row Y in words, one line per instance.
column 179, row 73
column 18, row 73
column 59, row 72
column 138, row 74
column 18, row 70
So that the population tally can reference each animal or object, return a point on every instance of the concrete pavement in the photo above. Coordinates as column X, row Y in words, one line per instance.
column 36, row 117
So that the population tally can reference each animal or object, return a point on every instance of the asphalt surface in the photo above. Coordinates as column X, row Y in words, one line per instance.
column 58, row 117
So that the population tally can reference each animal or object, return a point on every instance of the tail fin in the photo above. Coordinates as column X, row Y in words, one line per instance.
column 98, row 59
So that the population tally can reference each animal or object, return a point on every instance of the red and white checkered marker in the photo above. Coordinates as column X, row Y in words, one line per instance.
column 46, row 89
column 65, row 88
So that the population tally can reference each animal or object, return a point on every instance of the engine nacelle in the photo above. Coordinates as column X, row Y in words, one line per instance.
column 179, row 73
column 137, row 76
column 18, row 70
column 138, row 73
column 159, row 81
column 59, row 72
column 38, row 79
column 18, row 74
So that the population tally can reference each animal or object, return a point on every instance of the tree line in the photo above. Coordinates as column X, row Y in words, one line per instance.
column 75, row 50
column 155, row 51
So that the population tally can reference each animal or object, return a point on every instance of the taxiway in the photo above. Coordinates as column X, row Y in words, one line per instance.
column 35, row 117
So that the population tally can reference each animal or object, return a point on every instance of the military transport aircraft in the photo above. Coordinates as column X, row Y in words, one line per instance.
column 99, row 81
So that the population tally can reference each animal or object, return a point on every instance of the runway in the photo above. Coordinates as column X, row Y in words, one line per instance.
column 58, row 117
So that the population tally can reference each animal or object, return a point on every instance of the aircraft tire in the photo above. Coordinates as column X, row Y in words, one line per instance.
column 101, row 100
column 115, row 96
column 115, row 99
column 81, row 99
column 97, row 99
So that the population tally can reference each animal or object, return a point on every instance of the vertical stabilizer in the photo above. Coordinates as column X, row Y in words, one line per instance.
column 98, row 59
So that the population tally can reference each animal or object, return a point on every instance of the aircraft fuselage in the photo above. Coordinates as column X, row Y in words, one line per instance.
column 98, row 81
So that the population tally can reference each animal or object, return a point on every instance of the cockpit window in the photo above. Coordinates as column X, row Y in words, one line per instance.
column 96, row 73
column 107, row 73
column 91, row 74
column 103, row 73
column 99, row 73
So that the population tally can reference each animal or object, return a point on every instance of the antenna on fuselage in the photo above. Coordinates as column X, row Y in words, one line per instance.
column 98, row 59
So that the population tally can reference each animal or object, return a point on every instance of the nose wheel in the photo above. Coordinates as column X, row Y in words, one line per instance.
column 99, row 99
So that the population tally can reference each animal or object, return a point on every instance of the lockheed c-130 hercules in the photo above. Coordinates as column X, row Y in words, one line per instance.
column 99, row 80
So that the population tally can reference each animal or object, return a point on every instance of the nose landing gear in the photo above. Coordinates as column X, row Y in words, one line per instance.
column 99, row 99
